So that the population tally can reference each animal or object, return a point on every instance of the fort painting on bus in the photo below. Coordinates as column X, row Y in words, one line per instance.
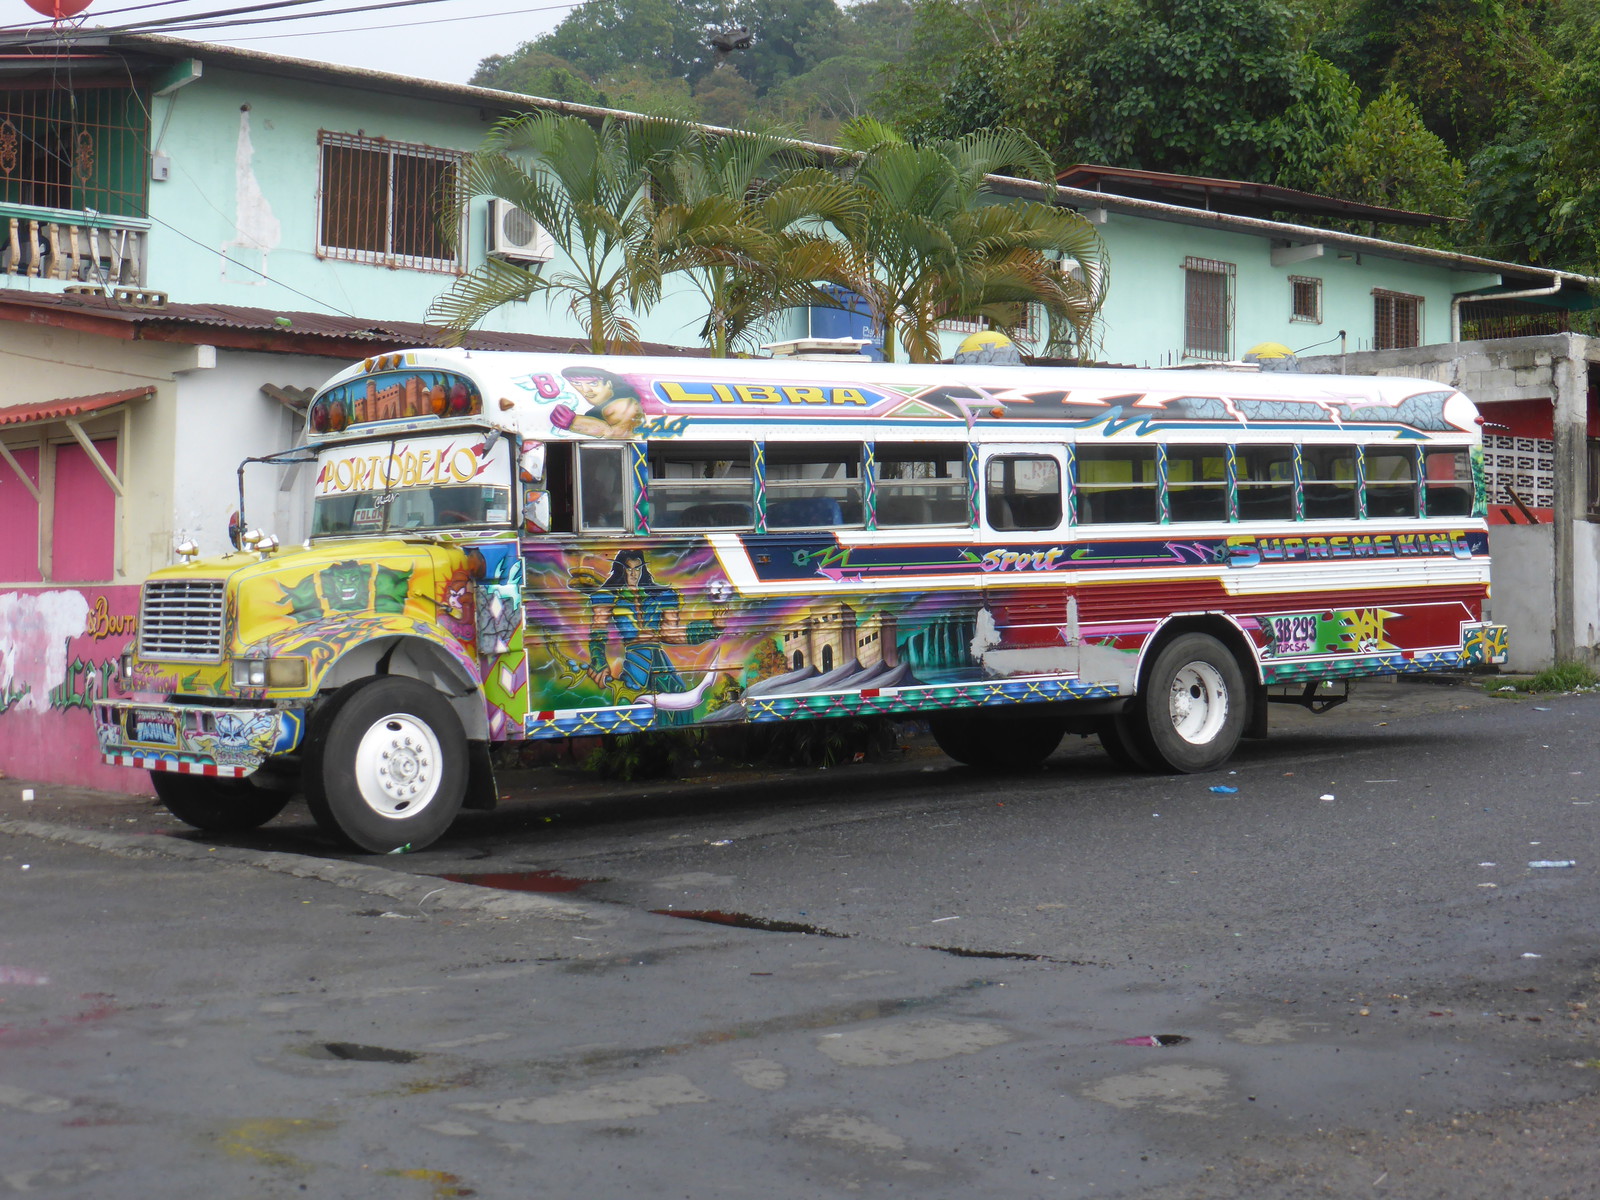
column 514, row 546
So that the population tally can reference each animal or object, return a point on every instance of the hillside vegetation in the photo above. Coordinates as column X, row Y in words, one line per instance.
column 1477, row 109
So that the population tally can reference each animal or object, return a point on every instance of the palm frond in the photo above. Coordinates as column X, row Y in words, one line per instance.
column 474, row 296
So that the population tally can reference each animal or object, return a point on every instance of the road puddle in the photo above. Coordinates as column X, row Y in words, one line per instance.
column 745, row 921
column 546, row 883
column 354, row 1052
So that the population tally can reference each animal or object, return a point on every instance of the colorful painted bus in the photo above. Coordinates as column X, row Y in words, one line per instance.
column 518, row 546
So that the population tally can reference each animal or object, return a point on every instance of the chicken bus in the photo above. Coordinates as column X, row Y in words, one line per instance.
column 511, row 545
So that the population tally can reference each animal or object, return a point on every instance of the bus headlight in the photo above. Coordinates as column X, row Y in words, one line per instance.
column 125, row 663
column 269, row 672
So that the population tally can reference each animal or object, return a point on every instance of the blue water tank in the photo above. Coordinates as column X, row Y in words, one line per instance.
column 852, row 321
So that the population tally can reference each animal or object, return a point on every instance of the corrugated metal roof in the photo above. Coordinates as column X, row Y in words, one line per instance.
column 75, row 406
column 1241, row 196
column 292, row 326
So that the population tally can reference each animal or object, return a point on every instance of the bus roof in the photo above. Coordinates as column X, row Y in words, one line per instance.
column 585, row 397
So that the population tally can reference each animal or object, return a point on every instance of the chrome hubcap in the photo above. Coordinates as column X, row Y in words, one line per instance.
column 397, row 766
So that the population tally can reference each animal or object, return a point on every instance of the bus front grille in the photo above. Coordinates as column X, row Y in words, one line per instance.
column 181, row 619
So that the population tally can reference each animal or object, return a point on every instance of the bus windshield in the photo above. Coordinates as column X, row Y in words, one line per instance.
column 401, row 485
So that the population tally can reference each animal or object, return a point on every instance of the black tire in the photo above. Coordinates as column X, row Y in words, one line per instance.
column 980, row 739
column 1190, row 714
column 217, row 805
column 1121, row 744
column 386, row 765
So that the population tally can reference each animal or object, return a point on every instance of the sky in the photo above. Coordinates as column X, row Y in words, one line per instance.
column 435, row 39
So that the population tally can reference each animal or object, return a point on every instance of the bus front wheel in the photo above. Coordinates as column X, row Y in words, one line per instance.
column 387, row 768
column 217, row 805
column 1191, row 713
column 997, row 742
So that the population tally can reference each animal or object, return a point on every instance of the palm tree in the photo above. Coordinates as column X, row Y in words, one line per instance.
column 585, row 184
column 936, row 241
column 745, row 220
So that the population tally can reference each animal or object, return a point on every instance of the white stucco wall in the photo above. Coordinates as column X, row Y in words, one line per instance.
column 222, row 418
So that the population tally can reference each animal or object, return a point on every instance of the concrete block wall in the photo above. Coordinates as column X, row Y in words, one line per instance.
column 1562, row 621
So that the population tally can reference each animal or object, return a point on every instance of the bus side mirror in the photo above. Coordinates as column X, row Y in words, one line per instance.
column 535, row 492
column 235, row 532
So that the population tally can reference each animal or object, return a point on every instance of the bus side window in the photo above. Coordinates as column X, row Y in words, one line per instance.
column 602, row 489
column 701, row 486
column 1266, row 483
column 1328, row 477
column 1197, row 483
column 1391, row 481
column 1022, row 491
column 921, row 484
column 813, row 486
column 1117, row 484
column 1447, row 475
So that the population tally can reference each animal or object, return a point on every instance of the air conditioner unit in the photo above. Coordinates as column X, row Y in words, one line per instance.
column 517, row 237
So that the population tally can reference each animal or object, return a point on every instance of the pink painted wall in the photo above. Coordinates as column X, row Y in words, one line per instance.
column 19, row 527
column 84, row 543
column 56, row 645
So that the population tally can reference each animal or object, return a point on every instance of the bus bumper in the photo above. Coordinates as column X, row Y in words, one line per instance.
column 195, row 739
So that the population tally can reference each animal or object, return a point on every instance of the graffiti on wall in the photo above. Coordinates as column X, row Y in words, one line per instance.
column 59, row 650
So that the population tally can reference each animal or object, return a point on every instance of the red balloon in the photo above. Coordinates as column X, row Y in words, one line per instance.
column 58, row 10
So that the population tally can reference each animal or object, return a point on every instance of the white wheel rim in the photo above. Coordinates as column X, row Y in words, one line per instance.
column 397, row 766
column 1198, row 705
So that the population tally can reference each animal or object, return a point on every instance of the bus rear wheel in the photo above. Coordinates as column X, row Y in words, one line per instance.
column 980, row 739
column 387, row 768
column 1121, row 743
column 1191, row 712
column 217, row 805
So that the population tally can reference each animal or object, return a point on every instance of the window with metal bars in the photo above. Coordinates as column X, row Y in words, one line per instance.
column 1305, row 299
column 1396, row 320
column 1207, row 308
column 379, row 202
column 74, row 149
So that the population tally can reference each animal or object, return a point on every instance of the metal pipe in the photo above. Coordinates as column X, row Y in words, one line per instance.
column 1560, row 278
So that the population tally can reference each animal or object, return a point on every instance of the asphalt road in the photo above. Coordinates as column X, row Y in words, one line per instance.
column 927, row 988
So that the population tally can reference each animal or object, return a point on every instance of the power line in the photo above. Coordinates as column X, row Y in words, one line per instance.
column 516, row 12
column 221, row 12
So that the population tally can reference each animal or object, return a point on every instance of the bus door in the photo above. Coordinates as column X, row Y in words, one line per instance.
column 1027, row 625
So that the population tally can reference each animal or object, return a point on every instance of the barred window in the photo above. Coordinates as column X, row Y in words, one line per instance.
column 67, row 148
column 1207, row 308
column 1305, row 299
column 379, row 202
column 1396, row 320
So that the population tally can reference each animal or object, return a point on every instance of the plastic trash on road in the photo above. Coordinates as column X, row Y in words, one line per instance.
column 1540, row 863
column 1224, row 790
column 1155, row 1039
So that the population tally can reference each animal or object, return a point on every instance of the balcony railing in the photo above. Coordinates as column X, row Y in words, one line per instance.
column 79, row 247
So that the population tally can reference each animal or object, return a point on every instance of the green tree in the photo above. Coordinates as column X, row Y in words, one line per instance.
column 584, row 184
column 744, row 218
column 725, row 97
column 1570, row 182
column 1391, row 159
column 1466, row 64
column 535, row 72
column 934, row 239
column 601, row 36
column 1156, row 84
column 789, row 37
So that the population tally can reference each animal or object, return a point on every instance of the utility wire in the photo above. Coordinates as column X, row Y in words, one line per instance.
column 515, row 12
column 215, row 17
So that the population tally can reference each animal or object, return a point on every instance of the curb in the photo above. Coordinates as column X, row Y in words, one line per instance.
column 415, row 890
